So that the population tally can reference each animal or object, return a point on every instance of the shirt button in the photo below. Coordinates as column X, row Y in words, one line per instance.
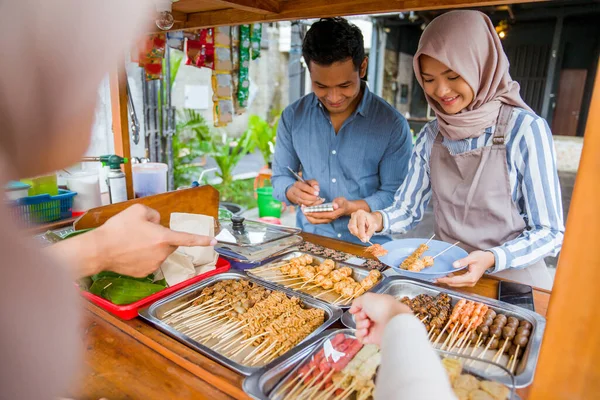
column 339, row 235
column 334, row 180
column 333, row 152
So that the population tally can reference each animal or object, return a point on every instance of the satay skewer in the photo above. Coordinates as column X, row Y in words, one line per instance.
column 445, row 250
column 285, row 387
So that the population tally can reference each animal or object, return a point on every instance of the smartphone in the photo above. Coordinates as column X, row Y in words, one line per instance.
column 517, row 294
column 327, row 207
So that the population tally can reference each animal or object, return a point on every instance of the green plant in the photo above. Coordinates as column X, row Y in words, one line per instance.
column 227, row 153
column 263, row 134
column 238, row 192
column 191, row 132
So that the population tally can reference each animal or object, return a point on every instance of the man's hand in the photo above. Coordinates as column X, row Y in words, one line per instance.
column 304, row 194
column 130, row 243
column 372, row 312
column 363, row 224
column 341, row 207
column 478, row 262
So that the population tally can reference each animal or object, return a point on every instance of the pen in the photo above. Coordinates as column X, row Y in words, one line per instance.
column 300, row 178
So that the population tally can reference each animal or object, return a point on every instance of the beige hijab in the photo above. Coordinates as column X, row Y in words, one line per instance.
column 53, row 56
column 466, row 42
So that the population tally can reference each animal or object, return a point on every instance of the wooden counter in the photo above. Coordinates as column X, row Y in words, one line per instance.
column 132, row 360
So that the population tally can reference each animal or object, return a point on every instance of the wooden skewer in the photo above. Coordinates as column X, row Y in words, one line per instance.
column 445, row 250
column 318, row 386
column 253, row 338
column 514, row 364
column 292, row 393
column 463, row 348
column 295, row 284
column 291, row 382
column 425, row 318
column 310, row 384
column 449, row 337
column 510, row 361
column 486, row 348
column 286, row 279
column 179, row 307
column 430, row 333
column 338, row 299
column 256, row 350
column 477, row 345
column 333, row 388
column 274, row 355
column 264, row 353
column 239, row 349
column 430, row 239
column 501, row 351
column 346, row 392
column 441, row 333
column 456, row 336
column 321, row 294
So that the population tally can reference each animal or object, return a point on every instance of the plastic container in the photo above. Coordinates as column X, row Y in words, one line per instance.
column 149, row 179
column 130, row 311
column 44, row 208
column 87, row 187
column 16, row 190
column 267, row 205
column 47, row 184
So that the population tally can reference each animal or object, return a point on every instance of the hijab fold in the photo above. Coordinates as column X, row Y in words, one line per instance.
column 466, row 42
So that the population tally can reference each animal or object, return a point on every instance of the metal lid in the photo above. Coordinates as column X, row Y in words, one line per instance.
column 241, row 232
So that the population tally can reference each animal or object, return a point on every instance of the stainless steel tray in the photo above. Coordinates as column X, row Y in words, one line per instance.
column 265, row 383
column 155, row 312
column 358, row 273
column 398, row 286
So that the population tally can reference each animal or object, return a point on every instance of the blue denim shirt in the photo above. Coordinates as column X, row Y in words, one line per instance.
column 366, row 160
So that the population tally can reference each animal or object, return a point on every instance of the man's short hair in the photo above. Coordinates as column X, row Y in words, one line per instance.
column 331, row 40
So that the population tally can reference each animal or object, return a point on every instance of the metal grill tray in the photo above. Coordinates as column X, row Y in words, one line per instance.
column 154, row 313
column 398, row 287
column 264, row 383
column 358, row 273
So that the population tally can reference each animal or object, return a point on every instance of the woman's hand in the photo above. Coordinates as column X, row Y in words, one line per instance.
column 372, row 312
column 364, row 224
column 478, row 262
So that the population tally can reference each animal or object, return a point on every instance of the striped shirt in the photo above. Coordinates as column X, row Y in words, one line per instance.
column 533, row 178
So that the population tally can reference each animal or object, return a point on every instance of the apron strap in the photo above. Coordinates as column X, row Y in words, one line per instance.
column 502, row 124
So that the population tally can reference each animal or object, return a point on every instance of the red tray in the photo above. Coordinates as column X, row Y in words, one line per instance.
column 130, row 311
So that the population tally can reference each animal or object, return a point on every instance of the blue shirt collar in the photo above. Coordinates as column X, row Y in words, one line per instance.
column 363, row 106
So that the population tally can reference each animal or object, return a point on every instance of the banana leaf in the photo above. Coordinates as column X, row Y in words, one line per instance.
column 110, row 274
column 120, row 290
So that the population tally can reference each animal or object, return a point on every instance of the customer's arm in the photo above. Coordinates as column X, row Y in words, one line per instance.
column 130, row 243
column 410, row 368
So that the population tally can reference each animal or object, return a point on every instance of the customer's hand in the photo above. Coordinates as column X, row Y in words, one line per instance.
column 134, row 243
column 364, row 224
column 372, row 312
column 304, row 194
column 131, row 243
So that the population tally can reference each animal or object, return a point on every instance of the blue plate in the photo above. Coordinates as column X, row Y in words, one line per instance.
column 398, row 250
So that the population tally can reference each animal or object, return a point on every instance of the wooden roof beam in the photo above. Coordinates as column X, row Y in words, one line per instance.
column 269, row 7
column 305, row 9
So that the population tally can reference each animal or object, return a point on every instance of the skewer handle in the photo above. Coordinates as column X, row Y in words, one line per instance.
column 430, row 239
column 445, row 250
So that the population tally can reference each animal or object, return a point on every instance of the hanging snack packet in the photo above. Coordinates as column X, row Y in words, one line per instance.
column 206, row 57
column 235, row 72
column 243, row 90
column 221, row 79
column 255, row 39
column 153, row 68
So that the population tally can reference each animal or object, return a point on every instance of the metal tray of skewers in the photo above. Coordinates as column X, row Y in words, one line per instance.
column 508, row 335
column 240, row 321
column 334, row 365
column 334, row 282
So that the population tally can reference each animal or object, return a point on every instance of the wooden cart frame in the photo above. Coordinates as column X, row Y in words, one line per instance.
column 569, row 365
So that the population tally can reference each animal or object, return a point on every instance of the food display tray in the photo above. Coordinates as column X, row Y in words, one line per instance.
column 265, row 383
column 156, row 311
column 399, row 287
column 358, row 273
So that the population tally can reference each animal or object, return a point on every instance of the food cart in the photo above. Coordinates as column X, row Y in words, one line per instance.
column 132, row 359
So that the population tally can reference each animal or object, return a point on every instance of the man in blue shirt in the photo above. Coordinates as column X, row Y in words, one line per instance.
column 351, row 145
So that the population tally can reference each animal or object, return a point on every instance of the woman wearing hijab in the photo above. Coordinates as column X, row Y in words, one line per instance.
column 487, row 160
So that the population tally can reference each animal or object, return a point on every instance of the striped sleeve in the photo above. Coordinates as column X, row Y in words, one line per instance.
column 412, row 197
column 535, row 162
